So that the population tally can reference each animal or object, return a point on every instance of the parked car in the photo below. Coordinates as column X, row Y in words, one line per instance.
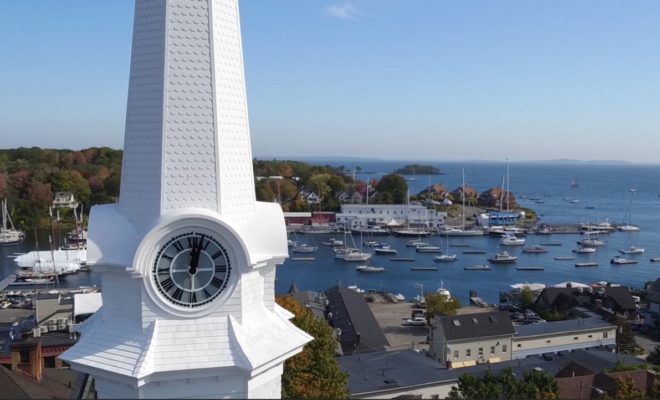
column 417, row 321
column 517, row 316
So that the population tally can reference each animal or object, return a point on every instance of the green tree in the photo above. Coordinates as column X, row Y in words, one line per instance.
column 654, row 356
column 527, row 297
column 440, row 304
column 534, row 385
column 395, row 186
column 314, row 372
column 625, row 389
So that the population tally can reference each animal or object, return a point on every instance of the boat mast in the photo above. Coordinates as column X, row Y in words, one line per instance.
column 507, row 185
column 463, row 197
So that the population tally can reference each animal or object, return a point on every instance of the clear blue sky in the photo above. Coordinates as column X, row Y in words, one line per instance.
column 393, row 79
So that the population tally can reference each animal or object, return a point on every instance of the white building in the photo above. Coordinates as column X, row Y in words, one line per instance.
column 362, row 215
column 187, row 255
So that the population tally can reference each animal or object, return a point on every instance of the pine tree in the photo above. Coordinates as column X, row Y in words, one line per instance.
column 314, row 372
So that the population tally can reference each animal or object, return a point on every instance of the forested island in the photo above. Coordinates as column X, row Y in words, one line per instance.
column 417, row 169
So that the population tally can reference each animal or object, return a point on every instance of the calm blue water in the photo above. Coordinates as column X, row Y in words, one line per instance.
column 604, row 187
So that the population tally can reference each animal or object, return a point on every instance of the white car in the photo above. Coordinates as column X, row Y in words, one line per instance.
column 417, row 321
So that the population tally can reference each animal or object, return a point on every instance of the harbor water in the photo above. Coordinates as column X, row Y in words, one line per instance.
column 619, row 193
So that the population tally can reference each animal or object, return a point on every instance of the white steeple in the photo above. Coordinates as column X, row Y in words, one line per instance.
column 187, row 173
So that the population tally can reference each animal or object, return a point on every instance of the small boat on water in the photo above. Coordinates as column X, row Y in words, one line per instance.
column 503, row 258
column 416, row 243
column 629, row 228
column 384, row 250
column 8, row 234
column 655, row 259
column 622, row 260
column 445, row 258
column 333, row 242
column 534, row 249
column 478, row 267
column 512, row 240
column 584, row 250
column 562, row 258
column 304, row 248
column 357, row 255
column 590, row 242
column 632, row 250
column 411, row 232
column 369, row 268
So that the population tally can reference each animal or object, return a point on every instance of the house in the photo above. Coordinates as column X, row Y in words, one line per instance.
column 497, row 198
column 355, row 324
column 434, row 191
column 310, row 197
column 603, row 300
column 470, row 193
column 471, row 339
column 651, row 312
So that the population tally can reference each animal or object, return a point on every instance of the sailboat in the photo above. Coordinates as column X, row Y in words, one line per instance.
column 8, row 235
column 446, row 257
column 628, row 226
column 454, row 231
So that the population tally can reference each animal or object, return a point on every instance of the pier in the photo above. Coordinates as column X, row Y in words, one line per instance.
column 7, row 281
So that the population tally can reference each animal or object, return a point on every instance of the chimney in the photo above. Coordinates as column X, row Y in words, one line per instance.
column 598, row 304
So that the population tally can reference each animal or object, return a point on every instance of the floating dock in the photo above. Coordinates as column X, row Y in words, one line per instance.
column 562, row 258
column 303, row 258
column 402, row 259
column 423, row 268
column 530, row 268
column 458, row 245
column 474, row 252
column 551, row 244
column 586, row 264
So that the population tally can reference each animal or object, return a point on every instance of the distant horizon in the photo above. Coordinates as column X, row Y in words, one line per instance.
column 424, row 80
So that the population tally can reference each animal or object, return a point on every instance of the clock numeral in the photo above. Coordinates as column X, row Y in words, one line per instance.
column 206, row 292
column 163, row 271
column 178, row 246
column 217, row 282
column 220, row 268
column 178, row 293
column 167, row 284
column 206, row 245
column 165, row 256
column 216, row 255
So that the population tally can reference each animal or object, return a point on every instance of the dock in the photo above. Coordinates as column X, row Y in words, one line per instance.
column 303, row 258
column 562, row 258
column 423, row 268
column 474, row 252
column 402, row 259
column 551, row 244
column 458, row 245
column 7, row 281
column 586, row 264
column 530, row 268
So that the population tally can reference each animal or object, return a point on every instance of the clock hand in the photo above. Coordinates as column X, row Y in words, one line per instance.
column 194, row 258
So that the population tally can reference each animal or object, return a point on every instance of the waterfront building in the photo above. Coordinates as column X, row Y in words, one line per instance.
column 187, row 255
column 651, row 312
column 363, row 215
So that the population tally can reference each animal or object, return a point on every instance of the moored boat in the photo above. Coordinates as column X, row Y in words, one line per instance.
column 632, row 250
column 478, row 267
column 622, row 260
column 534, row 249
column 385, row 250
column 502, row 258
column 512, row 240
column 584, row 250
column 369, row 268
column 445, row 258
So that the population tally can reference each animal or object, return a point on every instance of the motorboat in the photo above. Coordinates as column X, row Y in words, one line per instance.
column 629, row 228
column 584, row 250
column 503, row 257
column 632, row 250
column 622, row 260
column 453, row 231
column 445, row 258
column 369, row 268
column 411, row 232
column 416, row 243
column 535, row 249
column 304, row 248
column 512, row 240
column 374, row 230
column 385, row 250
column 590, row 242
column 333, row 242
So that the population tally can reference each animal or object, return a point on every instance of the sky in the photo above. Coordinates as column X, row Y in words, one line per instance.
column 390, row 79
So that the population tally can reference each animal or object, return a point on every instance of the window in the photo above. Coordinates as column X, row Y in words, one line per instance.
column 481, row 351
column 519, row 345
column 25, row 356
column 503, row 348
column 455, row 353
column 590, row 336
column 492, row 349
column 575, row 338
column 468, row 353
column 605, row 335
column 548, row 341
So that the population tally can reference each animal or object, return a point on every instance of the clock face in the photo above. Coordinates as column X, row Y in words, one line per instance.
column 191, row 269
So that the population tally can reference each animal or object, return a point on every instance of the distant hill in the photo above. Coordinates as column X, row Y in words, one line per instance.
column 572, row 161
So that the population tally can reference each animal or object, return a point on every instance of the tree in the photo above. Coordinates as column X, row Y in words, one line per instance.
column 654, row 356
column 437, row 303
column 314, row 372
column 534, row 385
column 395, row 186
column 527, row 297
column 625, row 338
column 625, row 389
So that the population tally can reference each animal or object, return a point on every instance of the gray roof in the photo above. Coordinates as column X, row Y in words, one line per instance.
column 388, row 371
column 617, row 298
column 570, row 325
column 469, row 326
column 348, row 311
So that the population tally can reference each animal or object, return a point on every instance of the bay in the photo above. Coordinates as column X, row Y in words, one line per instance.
column 605, row 189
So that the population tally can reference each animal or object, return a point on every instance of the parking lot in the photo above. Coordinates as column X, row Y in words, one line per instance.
column 392, row 319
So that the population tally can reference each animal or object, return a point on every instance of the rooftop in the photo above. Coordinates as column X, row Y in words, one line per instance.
column 474, row 325
column 554, row 327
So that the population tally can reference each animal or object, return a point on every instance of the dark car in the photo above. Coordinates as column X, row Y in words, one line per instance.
column 517, row 316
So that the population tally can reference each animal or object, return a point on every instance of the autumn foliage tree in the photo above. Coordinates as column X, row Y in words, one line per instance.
column 314, row 372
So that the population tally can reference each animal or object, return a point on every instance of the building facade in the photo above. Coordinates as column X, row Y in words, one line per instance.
column 362, row 215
